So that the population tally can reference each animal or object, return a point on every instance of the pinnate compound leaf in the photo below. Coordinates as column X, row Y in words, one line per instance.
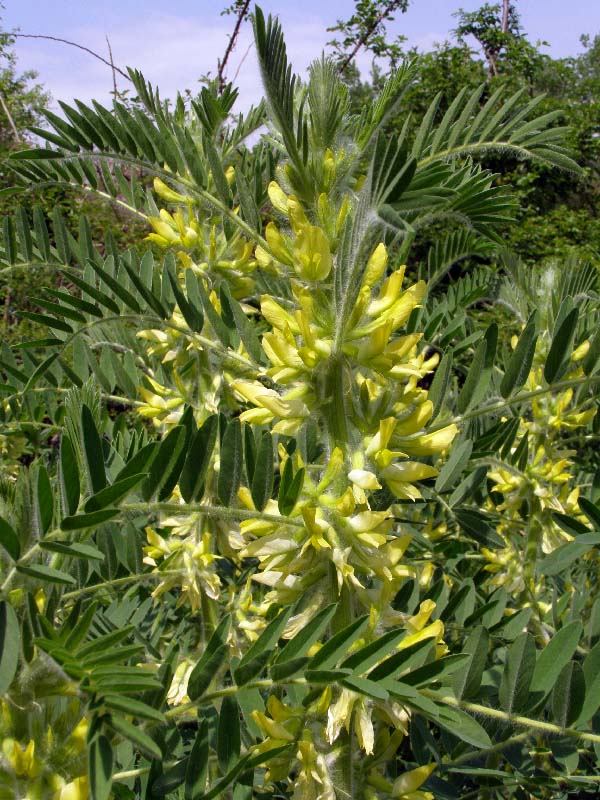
column 100, row 767
column 10, row 645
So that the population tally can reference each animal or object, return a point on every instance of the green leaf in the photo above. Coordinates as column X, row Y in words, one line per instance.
column 593, row 355
column 466, row 683
column 197, row 295
column 339, row 644
column 561, row 347
column 591, row 672
column 365, row 686
column 68, row 476
column 438, row 390
column 228, row 733
column 263, row 477
column 100, row 767
column 475, row 380
column 92, row 450
column 520, row 362
column 245, row 328
column 230, row 472
column 254, row 659
column 568, row 695
column 137, row 736
column 46, row 574
column 365, row 657
column 167, row 463
column 113, row 494
column 10, row 645
column 591, row 511
column 197, row 770
column 139, row 464
column 299, row 645
column 554, row 657
column 212, row 658
column 81, row 521
column 44, row 499
column 413, row 655
column 198, row 458
column 73, row 550
column 435, row 670
column 128, row 705
column 192, row 313
column 460, row 724
column 289, row 488
column 454, row 467
column 105, row 642
column 477, row 525
column 9, row 540
column 558, row 560
column 151, row 299
column 517, row 675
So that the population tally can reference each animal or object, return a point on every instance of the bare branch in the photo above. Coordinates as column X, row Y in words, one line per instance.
column 388, row 9
column 242, row 14
column 10, row 119
column 112, row 66
column 72, row 44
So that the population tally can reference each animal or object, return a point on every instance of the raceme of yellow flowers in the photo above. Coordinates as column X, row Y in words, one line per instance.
column 331, row 542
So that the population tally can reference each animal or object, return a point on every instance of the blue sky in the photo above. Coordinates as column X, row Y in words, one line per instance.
column 173, row 43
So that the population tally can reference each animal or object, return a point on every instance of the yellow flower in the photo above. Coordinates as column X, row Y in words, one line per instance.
column 312, row 256
column 407, row 784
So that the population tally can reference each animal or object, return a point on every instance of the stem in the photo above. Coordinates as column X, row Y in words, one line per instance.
column 499, row 405
column 221, row 512
column 512, row 719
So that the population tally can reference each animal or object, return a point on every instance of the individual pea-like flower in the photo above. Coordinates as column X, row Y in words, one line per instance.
column 177, row 693
column 163, row 405
column 185, row 563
